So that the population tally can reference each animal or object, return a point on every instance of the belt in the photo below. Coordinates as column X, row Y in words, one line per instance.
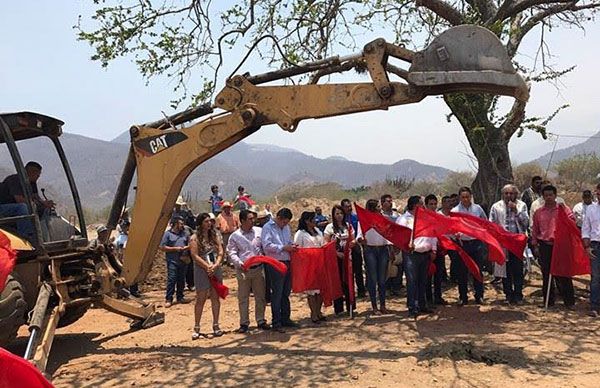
column 255, row 266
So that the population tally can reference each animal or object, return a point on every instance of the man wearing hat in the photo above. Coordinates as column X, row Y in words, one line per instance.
column 180, row 210
column 227, row 222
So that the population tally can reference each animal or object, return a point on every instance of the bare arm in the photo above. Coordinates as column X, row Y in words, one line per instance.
column 195, row 256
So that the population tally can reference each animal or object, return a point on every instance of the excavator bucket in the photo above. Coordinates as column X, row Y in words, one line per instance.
column 467, row 58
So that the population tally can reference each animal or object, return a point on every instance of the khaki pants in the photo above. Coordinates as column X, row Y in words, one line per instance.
column 253, row 279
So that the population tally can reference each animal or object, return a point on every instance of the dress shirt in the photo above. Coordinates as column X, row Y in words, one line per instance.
column 591, row 223
column 392, row 216
column 579, row 211
column 243, row 245
column 474, row 210
column 421, row 244
column 274, row 239
column 538, row 203
column 511, row 220
column 544, row 223
column 307, row 240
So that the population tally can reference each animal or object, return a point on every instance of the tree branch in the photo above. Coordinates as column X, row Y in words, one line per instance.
column 511, row 8
column 514, row 118
column 443, row 10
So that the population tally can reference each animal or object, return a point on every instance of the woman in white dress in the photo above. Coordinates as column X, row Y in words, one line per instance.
column 309, row 236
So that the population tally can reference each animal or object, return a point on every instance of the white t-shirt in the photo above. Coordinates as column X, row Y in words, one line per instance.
column 305, row 240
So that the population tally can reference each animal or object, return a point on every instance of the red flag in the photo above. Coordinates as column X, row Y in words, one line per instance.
column 398, row 235
column 17, row 372
column 246, row 199
column 472, row 266
column 8, row 258
column 276, row 264
column 317, row 269
column 432, row 224
column 221, row 289
column 349, row 272
column 569, row 257
column 514, row 242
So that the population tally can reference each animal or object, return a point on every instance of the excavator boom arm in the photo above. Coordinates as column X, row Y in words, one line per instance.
column 165, row 158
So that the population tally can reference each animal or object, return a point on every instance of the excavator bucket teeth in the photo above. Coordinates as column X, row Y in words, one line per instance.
column 466, row 58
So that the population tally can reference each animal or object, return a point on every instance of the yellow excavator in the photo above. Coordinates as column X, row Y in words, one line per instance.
column 57, row 277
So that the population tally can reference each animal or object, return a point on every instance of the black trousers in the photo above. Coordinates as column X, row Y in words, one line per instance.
column 357, row 268
column 436, row 281
column 565, row 285
column 339, row 303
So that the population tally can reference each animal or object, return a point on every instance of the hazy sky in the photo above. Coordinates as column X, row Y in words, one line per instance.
column 45, row 69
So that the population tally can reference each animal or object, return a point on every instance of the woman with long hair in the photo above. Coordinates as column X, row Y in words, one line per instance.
column 376, row 261
column 341, row 232
column 207, row 252
column 309, row 236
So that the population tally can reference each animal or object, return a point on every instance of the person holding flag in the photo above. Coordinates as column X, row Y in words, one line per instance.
column 376, row 260
column 244, row 244
column 343, row 234
column 542, row 239
column 472, row 246
column 590, row 232
column 511, row 214
column 423, row 251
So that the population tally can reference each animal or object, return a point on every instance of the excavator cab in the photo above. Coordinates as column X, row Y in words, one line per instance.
column 35, row 230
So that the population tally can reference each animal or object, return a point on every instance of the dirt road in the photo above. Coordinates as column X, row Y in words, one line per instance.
column 474, row 346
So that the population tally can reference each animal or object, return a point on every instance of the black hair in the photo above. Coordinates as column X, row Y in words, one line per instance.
column 371, row 205
column 336, row 228
column 445, row 197
column 430, row 197
column 413, row 201
column 536, row 178
column 453, row 195
column 244, row 214
column 586, row 192
column 285, row 213
column 240, row 188
column 549, row 188
column 385, row 196
column 32, row 164
column 212, row 234
column 464, row 189
column 343, row 201
column 213, row 187
column 302, row 225
column 175, row 219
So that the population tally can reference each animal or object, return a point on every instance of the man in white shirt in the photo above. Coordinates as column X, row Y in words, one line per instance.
column 590, row 232
column 423, row 251
column 243, row 244
column 511, row 214
column 473, row 247
column 580, row 209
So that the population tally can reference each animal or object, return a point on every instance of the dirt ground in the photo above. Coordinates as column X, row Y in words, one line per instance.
column 495, row 345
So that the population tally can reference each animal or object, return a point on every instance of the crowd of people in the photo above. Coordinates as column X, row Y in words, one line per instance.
column 198, row 247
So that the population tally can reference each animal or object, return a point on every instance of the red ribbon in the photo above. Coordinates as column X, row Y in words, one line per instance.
column 221, row 289
column 276, row 264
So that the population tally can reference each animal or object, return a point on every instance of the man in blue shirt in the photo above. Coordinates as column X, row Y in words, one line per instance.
column 320, row 219
column 277, row 243
column 472, row 246
column 215, row 200
column 357, row 255
column 175, row 243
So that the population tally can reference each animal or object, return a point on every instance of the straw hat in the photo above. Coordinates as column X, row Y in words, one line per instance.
column 180, row 201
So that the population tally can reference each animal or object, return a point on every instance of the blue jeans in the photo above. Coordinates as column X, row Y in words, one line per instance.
column 281, row 286
column 24, row 227
column 595, row 284
column 376, row 261
column 475, row 249
column 416, row 267
column 175, row 278
column 513, row 282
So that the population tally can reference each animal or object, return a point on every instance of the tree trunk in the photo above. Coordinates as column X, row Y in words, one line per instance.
column 488, row 143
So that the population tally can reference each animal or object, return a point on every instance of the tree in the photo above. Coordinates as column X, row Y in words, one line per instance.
column 176, row 37
column 524, row 172
column 579, row 170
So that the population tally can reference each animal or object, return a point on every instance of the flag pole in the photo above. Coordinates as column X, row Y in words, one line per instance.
column 548, row 292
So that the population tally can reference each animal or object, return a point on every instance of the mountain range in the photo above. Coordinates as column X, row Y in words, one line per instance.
column 262, row 169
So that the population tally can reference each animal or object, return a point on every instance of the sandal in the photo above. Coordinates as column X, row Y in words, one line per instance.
column 196, row 334
column 217, row 331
